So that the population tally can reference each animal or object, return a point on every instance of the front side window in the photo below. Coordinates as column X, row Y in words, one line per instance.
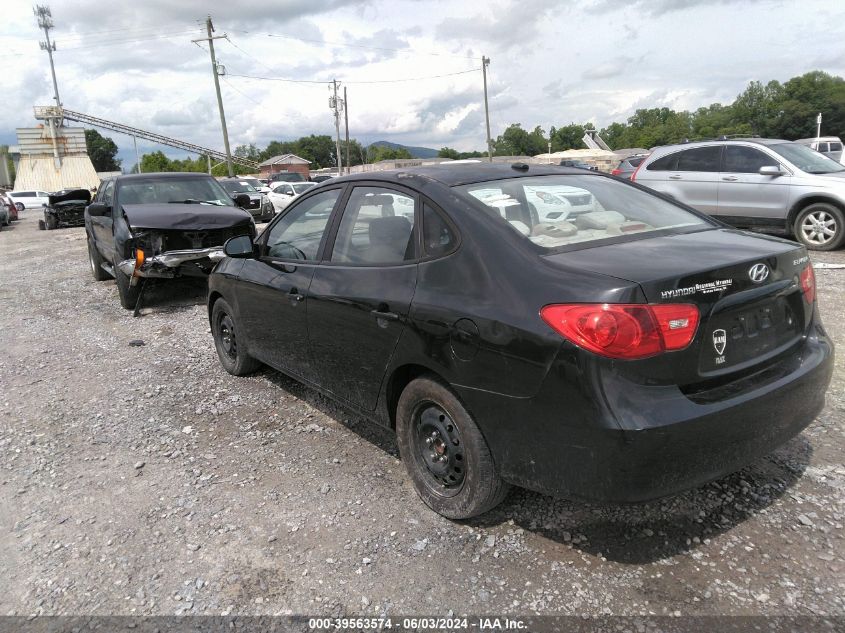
column 745, row 160
column 611, row 209
column 823, row 147
column 700, row 159
column 377, row 228
column 107, row 197
column 297, row 234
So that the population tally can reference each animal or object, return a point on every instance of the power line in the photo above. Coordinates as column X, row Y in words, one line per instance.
column 350, row 82
column 362, row 46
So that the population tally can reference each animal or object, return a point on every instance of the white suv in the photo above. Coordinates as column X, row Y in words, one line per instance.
column 29, row 199
column 755, row 182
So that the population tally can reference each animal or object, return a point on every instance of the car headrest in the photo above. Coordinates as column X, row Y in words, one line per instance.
column 393, row 230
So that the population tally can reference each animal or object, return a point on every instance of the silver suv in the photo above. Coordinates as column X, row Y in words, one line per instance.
column 755, row 182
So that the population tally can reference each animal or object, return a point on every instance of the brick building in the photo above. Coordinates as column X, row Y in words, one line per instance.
column 285, row 162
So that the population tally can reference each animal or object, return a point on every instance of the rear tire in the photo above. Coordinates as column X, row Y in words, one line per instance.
column 225, row 330
column 445, row 453
column 96, row 262
column 128, row 294
column 820, row 227
column 41, row 225
column 50, row 223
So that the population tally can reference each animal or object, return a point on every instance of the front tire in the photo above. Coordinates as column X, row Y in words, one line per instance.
column 128, row 293
column 96, row 262
column 225, row 330
column 820, row 227
column 50, row 222
column 445, row 453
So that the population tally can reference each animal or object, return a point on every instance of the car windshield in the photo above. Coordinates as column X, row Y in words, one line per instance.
column 561, row 210
column 302, row 187
column 807, row 159
column 174, row 190
column 237, row 186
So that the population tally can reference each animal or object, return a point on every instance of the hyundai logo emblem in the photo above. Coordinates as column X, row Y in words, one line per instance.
column 758, row 273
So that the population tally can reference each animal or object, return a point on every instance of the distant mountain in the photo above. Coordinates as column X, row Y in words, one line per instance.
column 416, row 152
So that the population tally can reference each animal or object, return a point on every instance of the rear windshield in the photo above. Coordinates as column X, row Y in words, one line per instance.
column 806, row 159
column 561, row 210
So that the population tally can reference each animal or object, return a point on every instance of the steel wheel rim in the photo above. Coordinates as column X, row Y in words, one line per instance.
column 439, row 448
column 818, row 227
column 226, row 336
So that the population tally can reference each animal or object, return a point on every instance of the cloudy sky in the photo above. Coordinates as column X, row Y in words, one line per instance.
column 553, row 62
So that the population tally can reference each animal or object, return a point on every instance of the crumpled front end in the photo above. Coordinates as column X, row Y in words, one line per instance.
column 168, row 254
column 67, row 213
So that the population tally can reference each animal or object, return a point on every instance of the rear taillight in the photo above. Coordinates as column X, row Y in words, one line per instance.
column 636, row 171
column 808, row 283
column 615, row 172
column 625, row 331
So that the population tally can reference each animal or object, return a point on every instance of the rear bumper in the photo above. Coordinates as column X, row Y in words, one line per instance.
column 616, row 441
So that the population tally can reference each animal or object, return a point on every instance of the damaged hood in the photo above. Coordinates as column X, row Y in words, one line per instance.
column 187, row 217
column 79, row 196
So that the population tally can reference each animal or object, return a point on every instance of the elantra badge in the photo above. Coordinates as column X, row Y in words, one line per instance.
column 720, row 340
column 758, row 273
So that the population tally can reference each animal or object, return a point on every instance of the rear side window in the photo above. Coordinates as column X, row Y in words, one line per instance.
column 25, row 194
column 438, row 238
column 836, row 147
column 700, row 159
column 667, row 163
column 745, row 160
column 635, row 162
column 377, row 228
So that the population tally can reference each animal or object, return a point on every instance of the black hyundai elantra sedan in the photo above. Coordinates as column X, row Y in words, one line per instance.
column 535, row 326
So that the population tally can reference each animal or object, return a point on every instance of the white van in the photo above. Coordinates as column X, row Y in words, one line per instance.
column 29, row 199
column 830, row 146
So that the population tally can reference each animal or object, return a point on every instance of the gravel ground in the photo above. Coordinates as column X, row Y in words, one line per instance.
column 146, row 480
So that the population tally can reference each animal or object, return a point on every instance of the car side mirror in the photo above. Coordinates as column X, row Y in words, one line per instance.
column 770, row 170
column 242, row 200
column 239, row 247
column 98, row 209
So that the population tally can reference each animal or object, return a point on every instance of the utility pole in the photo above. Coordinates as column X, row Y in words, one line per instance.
column 485, row 61
column 137, row 158
column 346, row 120
column 336, row 105
column 45, row 21
column 214, row 69
column 818, row 127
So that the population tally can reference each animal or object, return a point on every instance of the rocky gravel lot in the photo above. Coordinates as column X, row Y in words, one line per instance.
column 145, row 480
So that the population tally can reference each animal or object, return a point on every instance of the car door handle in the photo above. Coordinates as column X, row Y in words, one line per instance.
column 387, row 316
column 675, row 177
column 294, row 295
column 730, row 178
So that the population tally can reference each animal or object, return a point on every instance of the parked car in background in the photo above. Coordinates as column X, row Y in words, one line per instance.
column 5, row 217
column 648, row 351
column 830, row 146
column 29, row 199
column 755, row 182
column 257, row 184
column 627, row 166
column 285, row 176
column 259, row 204
column 284, row 193
column 322, row 177
column 577, row 163
column 144, row 226
column 65, row 208
column 10, row 207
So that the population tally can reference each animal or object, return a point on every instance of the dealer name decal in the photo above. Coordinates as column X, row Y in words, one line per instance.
column 704, row 288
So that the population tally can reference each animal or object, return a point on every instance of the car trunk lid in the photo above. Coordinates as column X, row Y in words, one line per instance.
column 747, row 289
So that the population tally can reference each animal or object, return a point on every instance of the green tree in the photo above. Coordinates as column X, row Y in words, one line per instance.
column 515, row 141
column 102, row 151
column 448, row 152
column 377, row 153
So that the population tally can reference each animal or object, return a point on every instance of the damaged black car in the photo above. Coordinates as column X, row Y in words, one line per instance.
column 160, row 226
column 65, row 208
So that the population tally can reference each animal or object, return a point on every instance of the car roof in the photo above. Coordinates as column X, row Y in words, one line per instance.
column 750, row 139
column 464, row 174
